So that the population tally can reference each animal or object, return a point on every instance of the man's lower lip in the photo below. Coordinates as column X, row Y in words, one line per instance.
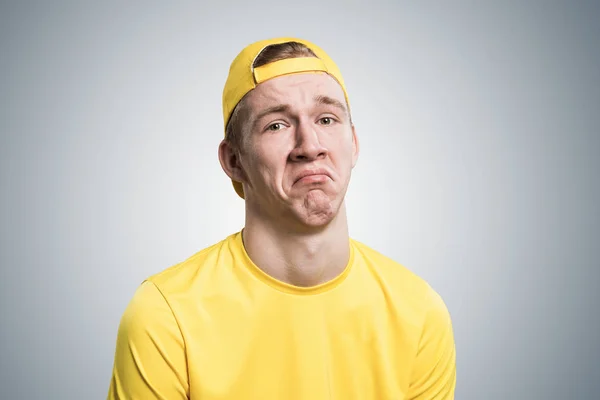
column 313, row 179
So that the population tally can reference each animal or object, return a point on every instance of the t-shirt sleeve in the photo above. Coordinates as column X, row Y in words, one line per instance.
column 150, row 361
column 434, row 375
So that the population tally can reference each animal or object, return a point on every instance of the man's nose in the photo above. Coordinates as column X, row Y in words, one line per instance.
column 308, row 146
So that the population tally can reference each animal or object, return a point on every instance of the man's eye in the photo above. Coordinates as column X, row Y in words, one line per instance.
column 275, row 127
column 326, row 120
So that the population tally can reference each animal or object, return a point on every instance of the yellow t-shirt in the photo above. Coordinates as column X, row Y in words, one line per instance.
column 216, row 327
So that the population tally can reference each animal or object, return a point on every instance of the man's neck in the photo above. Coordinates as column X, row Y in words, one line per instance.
column 300, row 259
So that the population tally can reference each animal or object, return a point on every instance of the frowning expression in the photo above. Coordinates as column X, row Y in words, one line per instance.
column 301, row 146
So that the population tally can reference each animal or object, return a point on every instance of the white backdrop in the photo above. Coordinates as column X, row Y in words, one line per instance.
column 479, row 130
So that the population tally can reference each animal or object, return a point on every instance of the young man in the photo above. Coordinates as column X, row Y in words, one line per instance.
column 290, row 307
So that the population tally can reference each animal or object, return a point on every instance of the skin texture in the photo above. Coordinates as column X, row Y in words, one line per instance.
column 296, row 228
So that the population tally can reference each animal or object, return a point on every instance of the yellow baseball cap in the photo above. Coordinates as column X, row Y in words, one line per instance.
column 243, row 77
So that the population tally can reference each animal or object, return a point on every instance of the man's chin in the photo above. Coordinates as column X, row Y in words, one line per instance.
column 316, row 208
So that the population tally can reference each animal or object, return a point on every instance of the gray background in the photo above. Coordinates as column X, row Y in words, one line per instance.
column 479, row 126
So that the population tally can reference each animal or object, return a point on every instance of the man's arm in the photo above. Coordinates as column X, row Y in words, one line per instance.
column 150, row 360
column 434, row 375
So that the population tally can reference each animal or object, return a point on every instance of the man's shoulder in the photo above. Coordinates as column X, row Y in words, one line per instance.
column 405, row 284
column 180, row 276
column 387, row 265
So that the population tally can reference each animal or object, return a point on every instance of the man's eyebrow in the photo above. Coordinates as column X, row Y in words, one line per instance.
column 331, row 102
column 271, row 110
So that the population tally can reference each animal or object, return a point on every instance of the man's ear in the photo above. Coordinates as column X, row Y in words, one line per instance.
column 230, row 161
column 355, row 146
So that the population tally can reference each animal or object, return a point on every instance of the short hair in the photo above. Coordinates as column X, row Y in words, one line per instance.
column 234, row 131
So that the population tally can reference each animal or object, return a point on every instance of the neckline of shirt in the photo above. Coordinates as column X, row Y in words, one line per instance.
column 281, row 286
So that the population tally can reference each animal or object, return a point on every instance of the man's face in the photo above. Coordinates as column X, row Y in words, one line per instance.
column 300, row 148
